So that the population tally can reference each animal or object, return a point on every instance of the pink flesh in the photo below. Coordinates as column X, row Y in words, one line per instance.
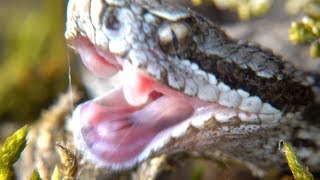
column 117, row 127
column 118, row 132
column 95, row 62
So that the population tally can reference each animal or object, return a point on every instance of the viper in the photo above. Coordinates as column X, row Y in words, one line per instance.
column 183, row 85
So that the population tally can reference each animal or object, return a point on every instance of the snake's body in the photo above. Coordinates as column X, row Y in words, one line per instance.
column 243, row 98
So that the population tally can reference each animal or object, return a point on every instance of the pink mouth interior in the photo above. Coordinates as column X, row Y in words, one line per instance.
column 117, row 127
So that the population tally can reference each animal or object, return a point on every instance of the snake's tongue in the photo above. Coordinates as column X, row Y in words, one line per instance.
column 117, row 127
column 136, row 86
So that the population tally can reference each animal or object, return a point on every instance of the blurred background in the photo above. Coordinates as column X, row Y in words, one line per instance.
column 33, row 59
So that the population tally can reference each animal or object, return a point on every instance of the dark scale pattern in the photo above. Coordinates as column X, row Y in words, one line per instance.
column 225, row 58
column 284, row 94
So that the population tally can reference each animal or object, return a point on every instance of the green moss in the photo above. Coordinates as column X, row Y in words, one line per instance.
column 299, row 171
column 300, row 33
column 13, row 146
column 56, row 175
column 6, row 173
column 35, row 175
column 315, row 49
column 308, row 29
column 11, row 150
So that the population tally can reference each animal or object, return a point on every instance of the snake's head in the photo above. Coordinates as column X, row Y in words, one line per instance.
column 184, row 84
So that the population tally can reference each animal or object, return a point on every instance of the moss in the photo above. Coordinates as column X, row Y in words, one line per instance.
column 56, row 175
column 308, row 29
column 35, row 175
column 299, row 171
column 11, row 150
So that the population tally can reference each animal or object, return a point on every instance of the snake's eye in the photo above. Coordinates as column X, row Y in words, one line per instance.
column 174, row 37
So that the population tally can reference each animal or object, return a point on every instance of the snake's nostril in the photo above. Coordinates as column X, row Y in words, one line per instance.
column 117, row 23
column 113, row 23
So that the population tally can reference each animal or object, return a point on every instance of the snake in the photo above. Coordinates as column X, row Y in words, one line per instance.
column 184, row 85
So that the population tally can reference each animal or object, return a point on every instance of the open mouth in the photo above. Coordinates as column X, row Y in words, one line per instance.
column 123, row 127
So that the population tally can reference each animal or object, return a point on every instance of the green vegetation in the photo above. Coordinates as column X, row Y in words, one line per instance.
column 35, row 175
column 33, row 67
column 308, row 29
column 15, row 144
column 56, row 175
column 11, row 150
column 299, row 171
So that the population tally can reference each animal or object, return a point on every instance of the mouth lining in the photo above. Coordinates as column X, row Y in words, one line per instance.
column 121, row 128
column 117, row 132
